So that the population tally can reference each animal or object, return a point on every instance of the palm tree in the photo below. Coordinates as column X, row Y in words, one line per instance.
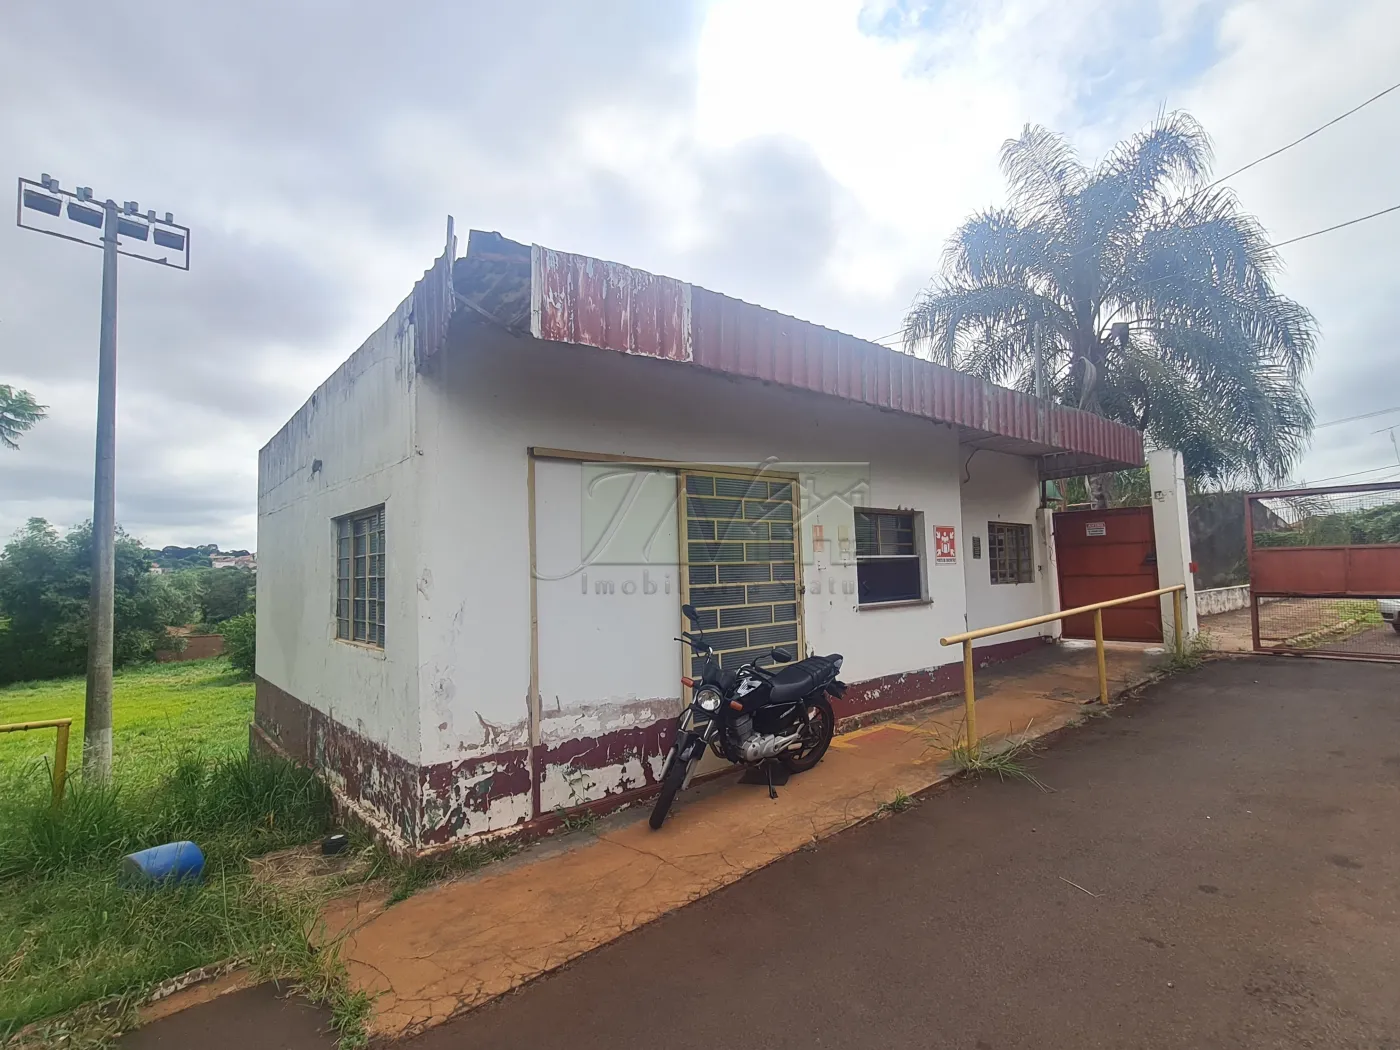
column 18, row 412
column 1150, row 294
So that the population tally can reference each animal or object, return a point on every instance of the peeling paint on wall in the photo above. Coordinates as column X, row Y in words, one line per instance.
column 453, row 801
column 475, row 795
column 598, row 720
column 381, row 785
column 589, row 769
column 589, row 753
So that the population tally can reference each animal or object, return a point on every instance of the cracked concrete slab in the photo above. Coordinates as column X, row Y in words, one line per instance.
column 455, row 946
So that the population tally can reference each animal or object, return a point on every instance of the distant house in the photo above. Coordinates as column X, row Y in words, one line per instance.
column 479, row 531
column 234, row 561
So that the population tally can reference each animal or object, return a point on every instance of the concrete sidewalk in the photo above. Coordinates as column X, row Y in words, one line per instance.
column 457, row 945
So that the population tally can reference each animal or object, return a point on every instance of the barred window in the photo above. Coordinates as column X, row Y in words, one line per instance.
column 359, row 585
column 888, row 565
column 1009, row 551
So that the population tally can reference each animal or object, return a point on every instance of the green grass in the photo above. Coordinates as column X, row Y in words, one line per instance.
column 160, row 711
column 78, row 947
column 1363, row 611
column 898, row 804
column 1004, row 762
column 71, row 931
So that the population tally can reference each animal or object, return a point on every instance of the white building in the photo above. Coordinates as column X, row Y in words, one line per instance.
column 233, row 561
column 476, row 536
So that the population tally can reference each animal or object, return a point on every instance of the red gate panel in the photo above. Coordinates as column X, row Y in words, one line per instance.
column 1324, row 570
column 1103, row 554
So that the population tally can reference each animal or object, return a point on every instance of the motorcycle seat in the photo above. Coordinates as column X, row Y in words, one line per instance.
column 793, row 683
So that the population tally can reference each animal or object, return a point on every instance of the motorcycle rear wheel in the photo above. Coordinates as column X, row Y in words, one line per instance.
column 813, row 749
column 671, row 783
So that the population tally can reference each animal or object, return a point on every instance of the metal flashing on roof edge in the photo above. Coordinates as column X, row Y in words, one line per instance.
column 586, row 301
column 578, row 299
column 433, row 302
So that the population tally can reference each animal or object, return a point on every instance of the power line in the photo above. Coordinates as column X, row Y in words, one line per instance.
column 1340, row 225
column 1353, row 419
column 1303, row 138
column 1353, row 474
column 1274, row 153
column 1292, row 240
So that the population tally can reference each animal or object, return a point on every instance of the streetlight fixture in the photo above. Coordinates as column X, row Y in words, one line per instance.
column 46, row 207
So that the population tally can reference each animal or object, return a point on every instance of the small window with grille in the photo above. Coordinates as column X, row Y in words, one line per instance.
column 889, row 564
column 1009, row 553
column 359, row 584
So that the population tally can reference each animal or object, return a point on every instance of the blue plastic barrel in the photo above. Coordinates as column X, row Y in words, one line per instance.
column 172, row 862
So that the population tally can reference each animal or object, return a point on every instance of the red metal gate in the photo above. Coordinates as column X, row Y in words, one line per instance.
column 1324, row 570
column 1103, row 554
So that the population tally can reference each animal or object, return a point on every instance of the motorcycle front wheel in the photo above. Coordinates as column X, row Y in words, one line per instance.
column 671, row 782
column 814, row 745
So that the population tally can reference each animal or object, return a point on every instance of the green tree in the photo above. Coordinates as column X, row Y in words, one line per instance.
column 1150, row 293
column 176, row 558
column 44, row 584
column 185, row 587
column 225, row 593
column 240, row 642
column 18, row 413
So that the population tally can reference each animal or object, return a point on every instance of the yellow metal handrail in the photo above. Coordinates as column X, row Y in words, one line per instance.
column 60, row 748
column 968, row 637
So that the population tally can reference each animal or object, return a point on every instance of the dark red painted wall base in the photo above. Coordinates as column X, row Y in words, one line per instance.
column 366, row 773
column 373, row 778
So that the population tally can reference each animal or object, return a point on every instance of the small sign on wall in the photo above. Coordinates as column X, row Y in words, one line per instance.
column 945, row 545
column 1095, row 528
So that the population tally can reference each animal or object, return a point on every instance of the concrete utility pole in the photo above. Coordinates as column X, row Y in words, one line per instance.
column 41, row 203
column 97, row 711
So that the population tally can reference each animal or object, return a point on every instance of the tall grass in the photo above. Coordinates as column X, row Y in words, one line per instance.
column 71, row 933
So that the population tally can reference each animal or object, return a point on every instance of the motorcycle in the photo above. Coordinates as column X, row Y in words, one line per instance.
column 751, row 715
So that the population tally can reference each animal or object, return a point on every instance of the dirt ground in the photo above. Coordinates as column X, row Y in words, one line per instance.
column 1231, row 631
column 1213, row 865
column 1373, row 641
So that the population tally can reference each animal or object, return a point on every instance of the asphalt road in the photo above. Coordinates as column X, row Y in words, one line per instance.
column 1214, row 865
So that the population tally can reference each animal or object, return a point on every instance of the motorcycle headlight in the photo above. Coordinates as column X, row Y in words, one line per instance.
column 708, row 699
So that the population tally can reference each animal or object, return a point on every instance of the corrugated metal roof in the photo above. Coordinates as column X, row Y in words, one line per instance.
column 433, row 303
column 577, row 299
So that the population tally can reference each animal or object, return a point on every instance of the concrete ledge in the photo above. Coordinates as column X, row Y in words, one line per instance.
column 1218, row 600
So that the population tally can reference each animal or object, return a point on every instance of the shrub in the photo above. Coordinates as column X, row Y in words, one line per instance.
column 240, row 642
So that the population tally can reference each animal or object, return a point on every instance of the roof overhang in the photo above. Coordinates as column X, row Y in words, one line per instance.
column 567, row 298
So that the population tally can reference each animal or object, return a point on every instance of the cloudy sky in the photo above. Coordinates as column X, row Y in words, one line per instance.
column 810, row 155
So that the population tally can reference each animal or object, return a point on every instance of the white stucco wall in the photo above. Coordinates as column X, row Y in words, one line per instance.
column 608, row 574
column 349, row 448
column 1172, row 529
column 998, row 487
column 485, row 404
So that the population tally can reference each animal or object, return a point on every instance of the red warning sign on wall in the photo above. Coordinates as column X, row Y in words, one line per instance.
column 945, row 545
